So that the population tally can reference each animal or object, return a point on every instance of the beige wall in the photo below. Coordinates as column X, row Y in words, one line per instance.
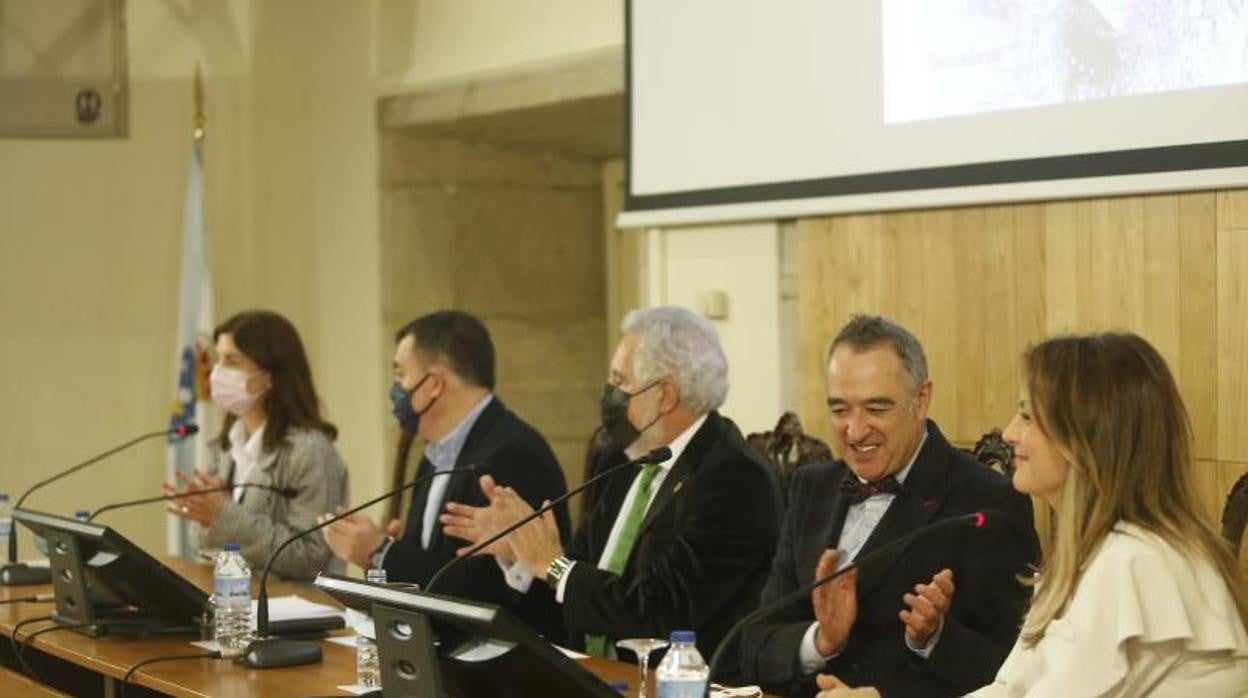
column 423, row 42
column 90, row 236
column 978, row 284
column 313, row 246
column 740, row 263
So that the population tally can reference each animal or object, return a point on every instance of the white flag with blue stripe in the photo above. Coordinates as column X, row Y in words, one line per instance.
column 194, row 348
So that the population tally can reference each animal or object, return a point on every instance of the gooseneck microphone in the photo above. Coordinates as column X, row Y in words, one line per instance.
column 14, row 572
column 658, row 455
column 268, row 653
column 977, row 520
column 286, row 492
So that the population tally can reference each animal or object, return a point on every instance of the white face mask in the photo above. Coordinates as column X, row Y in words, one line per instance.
column 229, row 390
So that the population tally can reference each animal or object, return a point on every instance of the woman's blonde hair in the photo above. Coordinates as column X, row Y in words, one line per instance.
column 1112, row 410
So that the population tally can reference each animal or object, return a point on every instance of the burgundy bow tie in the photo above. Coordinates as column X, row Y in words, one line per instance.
column 857, row 491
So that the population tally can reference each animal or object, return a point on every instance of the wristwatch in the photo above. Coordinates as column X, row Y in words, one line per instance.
column 557, row 571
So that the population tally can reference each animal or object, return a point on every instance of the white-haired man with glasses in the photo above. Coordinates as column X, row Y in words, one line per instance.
column 679, row 545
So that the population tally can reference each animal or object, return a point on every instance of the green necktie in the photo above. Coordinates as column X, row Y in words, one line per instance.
column 597, row 644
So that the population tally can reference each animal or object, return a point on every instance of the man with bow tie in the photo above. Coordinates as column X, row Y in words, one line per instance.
column 938, row 616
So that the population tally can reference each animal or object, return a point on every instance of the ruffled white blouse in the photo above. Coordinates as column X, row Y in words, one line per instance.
column 1145, row 620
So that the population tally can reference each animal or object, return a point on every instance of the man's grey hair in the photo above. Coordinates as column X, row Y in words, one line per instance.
column 676, row 342
column 864, row 332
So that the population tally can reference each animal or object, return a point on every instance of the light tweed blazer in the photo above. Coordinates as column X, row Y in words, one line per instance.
column 309, row 463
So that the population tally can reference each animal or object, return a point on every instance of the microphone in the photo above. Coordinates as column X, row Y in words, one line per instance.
column 658, row 455
column 978, row 520
column 286, row 492
column 268, row 653
column 14, row 572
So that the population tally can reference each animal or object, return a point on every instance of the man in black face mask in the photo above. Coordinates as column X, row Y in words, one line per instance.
column 679, row 545
column 443, row 393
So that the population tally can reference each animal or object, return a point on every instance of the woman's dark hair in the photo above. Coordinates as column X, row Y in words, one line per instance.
column 272, row 342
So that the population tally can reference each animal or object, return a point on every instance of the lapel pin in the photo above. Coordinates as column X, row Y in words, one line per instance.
column 678, row 486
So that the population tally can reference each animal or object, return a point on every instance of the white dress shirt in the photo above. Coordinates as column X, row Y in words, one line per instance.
column 442, row 455
column 1145, row 619
column 860, row 520
column 245, row 451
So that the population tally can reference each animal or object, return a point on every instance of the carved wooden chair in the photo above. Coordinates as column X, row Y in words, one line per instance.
column 994, row 452
column 787, row 448
column 1235, row 514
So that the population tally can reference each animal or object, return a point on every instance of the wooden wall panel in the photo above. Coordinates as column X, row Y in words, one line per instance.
column 1232, row 343
column 979, row 284
column 966, row 281
column 1197, row 366
column 1233, row 209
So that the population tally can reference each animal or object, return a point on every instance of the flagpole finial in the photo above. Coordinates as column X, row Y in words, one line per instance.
column 198, row 94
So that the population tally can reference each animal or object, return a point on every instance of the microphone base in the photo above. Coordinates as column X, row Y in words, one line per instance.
column 272, row 653
column 21, row 574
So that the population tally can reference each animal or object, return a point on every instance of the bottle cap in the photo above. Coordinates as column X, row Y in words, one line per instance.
column 684, row 636
column 230, row 547
column 82, row 514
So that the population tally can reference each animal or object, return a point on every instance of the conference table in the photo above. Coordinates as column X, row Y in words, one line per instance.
column 79, row 665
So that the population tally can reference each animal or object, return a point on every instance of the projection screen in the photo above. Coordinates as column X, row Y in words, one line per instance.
column 742, row 109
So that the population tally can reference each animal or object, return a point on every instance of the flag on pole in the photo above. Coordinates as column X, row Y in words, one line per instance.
column 194, row 344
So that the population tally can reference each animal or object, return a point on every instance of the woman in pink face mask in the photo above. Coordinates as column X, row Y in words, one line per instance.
column 274, row 438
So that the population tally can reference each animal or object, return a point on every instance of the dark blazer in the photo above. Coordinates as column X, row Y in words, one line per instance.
column 516, row 456
column 700, row 557
column 988, row 603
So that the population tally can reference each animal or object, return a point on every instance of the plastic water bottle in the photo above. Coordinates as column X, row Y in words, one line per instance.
column 367, row 661
column 682, row 673
column 6, row 523
column 231, row 601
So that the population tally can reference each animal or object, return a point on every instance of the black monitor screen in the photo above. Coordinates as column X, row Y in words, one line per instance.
column 484, row 650
column 117, row 570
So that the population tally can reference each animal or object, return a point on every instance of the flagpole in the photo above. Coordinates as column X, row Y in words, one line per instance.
column 197, row 94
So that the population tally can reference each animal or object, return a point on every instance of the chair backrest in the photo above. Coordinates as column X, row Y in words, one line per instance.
column 1235, row 513
column 992, row 451
column 787, row 448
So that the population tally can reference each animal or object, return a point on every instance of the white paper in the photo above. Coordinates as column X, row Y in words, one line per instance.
column 344, row 640
column 571, row 653
column 360, row 622
column 292, row 606
column 718, row 691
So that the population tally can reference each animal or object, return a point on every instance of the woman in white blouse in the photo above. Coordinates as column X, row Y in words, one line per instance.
column 1138, row 595
column 273, row 436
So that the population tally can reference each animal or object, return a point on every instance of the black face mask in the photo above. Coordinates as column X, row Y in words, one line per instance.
column 401, row 401
column 614, row 405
